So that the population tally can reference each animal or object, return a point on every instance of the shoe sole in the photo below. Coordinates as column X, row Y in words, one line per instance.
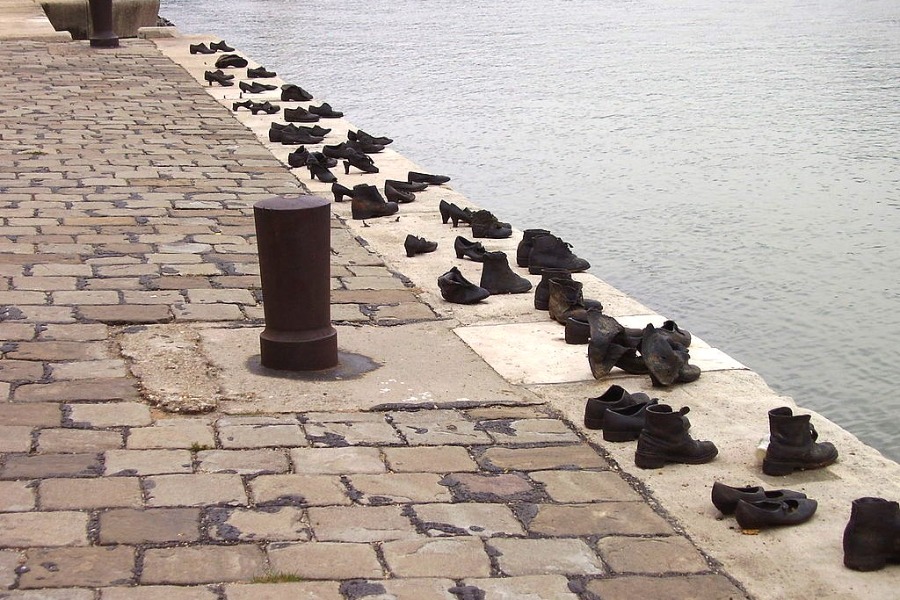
column 655, row 461
column 776, row 468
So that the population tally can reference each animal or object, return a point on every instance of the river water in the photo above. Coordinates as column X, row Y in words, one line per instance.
column 732, row 164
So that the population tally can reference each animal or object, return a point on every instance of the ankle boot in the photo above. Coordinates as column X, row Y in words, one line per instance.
column 566, row 300
column 793, row 446
column 459, row 290
column 368, row 203
column 417, row 245
column 340, row 191
column 614, row 397
column 498, row 278
column 666, row 361
column 485, row 225
column 550, row 252
column 578, row 331
column 294, row 93
column 523, row 251
column 605, row 347
column 625, row 424
column 474, row 251
column 665, row 439
column 398, row 196
column 542, row 289
column 872, row 535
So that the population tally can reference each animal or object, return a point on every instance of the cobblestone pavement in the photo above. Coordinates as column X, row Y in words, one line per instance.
column 126, row 199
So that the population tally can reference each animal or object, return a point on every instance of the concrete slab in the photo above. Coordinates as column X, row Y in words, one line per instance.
column 418, row 364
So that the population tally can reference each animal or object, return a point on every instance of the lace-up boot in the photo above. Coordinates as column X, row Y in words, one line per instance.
column 550, row 252
column 793, row 446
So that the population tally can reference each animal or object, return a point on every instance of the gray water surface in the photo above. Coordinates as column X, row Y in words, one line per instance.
column 732, row 164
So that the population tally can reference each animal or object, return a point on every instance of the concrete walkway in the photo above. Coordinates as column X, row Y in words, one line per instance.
column 455, row 469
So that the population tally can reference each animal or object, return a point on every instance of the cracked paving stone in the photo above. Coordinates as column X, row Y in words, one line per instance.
column 78, row 567
column 446, row 557
column 491, row 488
column 484, row 520
column 545, row 587
column 325, row 560
column 284, row 523
column 438, row 427
column 395, row 488
column 545, row 556
column 360, row 523
column 696, row 587
column 299, row 490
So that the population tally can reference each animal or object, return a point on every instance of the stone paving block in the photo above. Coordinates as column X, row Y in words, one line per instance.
column 158, row 592
column 50, row 594
column 586, row 486
column 21, row 370
column 20, row 530
column 110, row 368
column 4, row 391
column 576, row 456
column 207, row 312
column 396, row 488
column 172, row 433
column 350, row 433
column 23, row 298
column 9, row 560
column 262, row 436
column 82, row 567
column 149, row 526
column 298, row 490
column 438, row 427
column 15, row 438
column 180, row 283
column 77, row 332
column 503, row 487
column 325, row 560
column 533, row 587
column 602, row 518
column 46, row 284
column 51, row 465
column 374, row 283
column 109, row 414
column 154, row 297
column 337, row 460
column 308, row 590
column 347, row 312
column 454, row 558
column 226, row 296
column 202, row 564
column 360, row 523
column 63, row 494
column 673, row 554
column 147, row 462
column 695, row 587
column 84, row 440
column 545, row 556
column 38, row 415
column 244, row 462
column 16, row 496
column 61, row 270
column 483, row 520
column 420, row 588
column 83, row 390
column 489, row 413
column 195, row 490
column 430, row 459
column 114, row 283
column 79, row 298
column 59, row 350
column 406, row 311
column 285, row 523
column 126, row 314
column 46, row 314
column 14, row 332
column 529, row 431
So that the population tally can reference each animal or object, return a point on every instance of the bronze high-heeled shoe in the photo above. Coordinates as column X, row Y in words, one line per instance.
column 340, row 191
column 452, row 212
column 218, row 76
column 361, row 162
column 474, row 251
column 318, row 170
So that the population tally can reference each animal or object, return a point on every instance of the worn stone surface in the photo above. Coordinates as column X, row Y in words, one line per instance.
column 261, row 436
column 673, row 554
column 337, row 460
column 177, row 434
column 157, row 592
column 603, row 518
column 274, row 524
column 202, row 564
column 585, row 486
column 16, row 496
column 86, row 440
column 438, row 427
column 21, row 530
column 696, row 587
column 360, row 524
column 80, row 567
column 325, row 560
column 112, row 414
column 308, row 590
column 51, row 465
column 149, row 526
column 436, row 459
column 577, row 456
column 491, row 488
column 15, row 438
column 542, row 556
column 545, row 587
column 242, row 462
column 453, row 558
column 468, row 519
column 393, row 488
column 74, row 494
column 9, row 560
column 195, row 490
column 147, row 462
column 81, row 390
column 299, row 490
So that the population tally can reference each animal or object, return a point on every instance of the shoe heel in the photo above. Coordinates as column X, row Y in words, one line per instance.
column 622, row 436
column 862, row 561
column 775, row 468
column 445, row 213
column 643, row 461
column 346, row 168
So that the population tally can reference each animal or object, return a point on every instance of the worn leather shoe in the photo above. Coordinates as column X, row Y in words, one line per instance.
column 774, row 513
column 725, row 497
column 459, row 290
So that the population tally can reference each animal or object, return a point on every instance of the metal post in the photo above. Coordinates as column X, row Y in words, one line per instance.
column 293, row 237
column 102, row 35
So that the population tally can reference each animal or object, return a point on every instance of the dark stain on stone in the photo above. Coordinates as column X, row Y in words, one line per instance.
column 356, row 589
column 525, row 512
column 328, row 438
column 218, row 518
column 350, row 366
column 286, row 500
column 443, row 528
column 11, row 313
column 379, row 501
column 50, row 566
column 467, row 592
column 503, row 426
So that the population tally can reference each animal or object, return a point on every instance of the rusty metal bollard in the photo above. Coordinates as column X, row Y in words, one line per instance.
column 102, row 35
column 293, row 237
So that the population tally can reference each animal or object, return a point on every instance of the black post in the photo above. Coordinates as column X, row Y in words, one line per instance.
column 293, row 237
column 103, row 35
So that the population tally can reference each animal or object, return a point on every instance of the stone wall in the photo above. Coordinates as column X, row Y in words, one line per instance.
column 74, row 16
